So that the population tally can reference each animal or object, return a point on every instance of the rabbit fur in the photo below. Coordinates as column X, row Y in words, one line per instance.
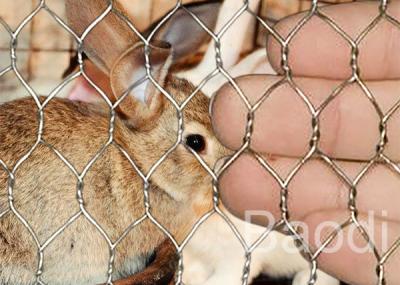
column 49, row 195
column 113, row 190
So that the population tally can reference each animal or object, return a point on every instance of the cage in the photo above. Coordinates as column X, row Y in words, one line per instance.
column 43, row 54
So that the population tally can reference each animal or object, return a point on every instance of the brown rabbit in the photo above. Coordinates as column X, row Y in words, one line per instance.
column 72, row 245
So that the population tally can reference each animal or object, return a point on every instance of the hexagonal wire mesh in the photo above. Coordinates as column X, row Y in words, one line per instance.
column 314, row 150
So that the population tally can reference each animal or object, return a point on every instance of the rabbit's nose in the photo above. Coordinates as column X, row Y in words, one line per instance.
column 220, row 163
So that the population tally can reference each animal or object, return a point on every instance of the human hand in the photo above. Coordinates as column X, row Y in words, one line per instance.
column 350, row 130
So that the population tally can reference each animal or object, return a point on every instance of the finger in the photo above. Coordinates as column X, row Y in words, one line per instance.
column 318, row 50
column 246, row 186
column 348, row 256
column 283, row 123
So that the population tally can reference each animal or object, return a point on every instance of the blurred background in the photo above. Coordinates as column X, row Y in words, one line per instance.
column 45, row 48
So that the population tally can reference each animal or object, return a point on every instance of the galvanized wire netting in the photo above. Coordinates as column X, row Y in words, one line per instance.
column 313, row 152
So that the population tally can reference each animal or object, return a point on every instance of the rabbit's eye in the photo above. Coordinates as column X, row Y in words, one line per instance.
column 196, row 142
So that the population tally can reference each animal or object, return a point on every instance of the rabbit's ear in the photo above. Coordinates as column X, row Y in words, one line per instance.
column 143, row 102
column 182, row 31
column 84, row 92
column 108, row 39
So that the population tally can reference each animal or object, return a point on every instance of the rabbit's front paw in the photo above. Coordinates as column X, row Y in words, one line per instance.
column 302, row 278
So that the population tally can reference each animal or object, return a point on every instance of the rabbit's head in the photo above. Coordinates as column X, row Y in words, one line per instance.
column 149, row 96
